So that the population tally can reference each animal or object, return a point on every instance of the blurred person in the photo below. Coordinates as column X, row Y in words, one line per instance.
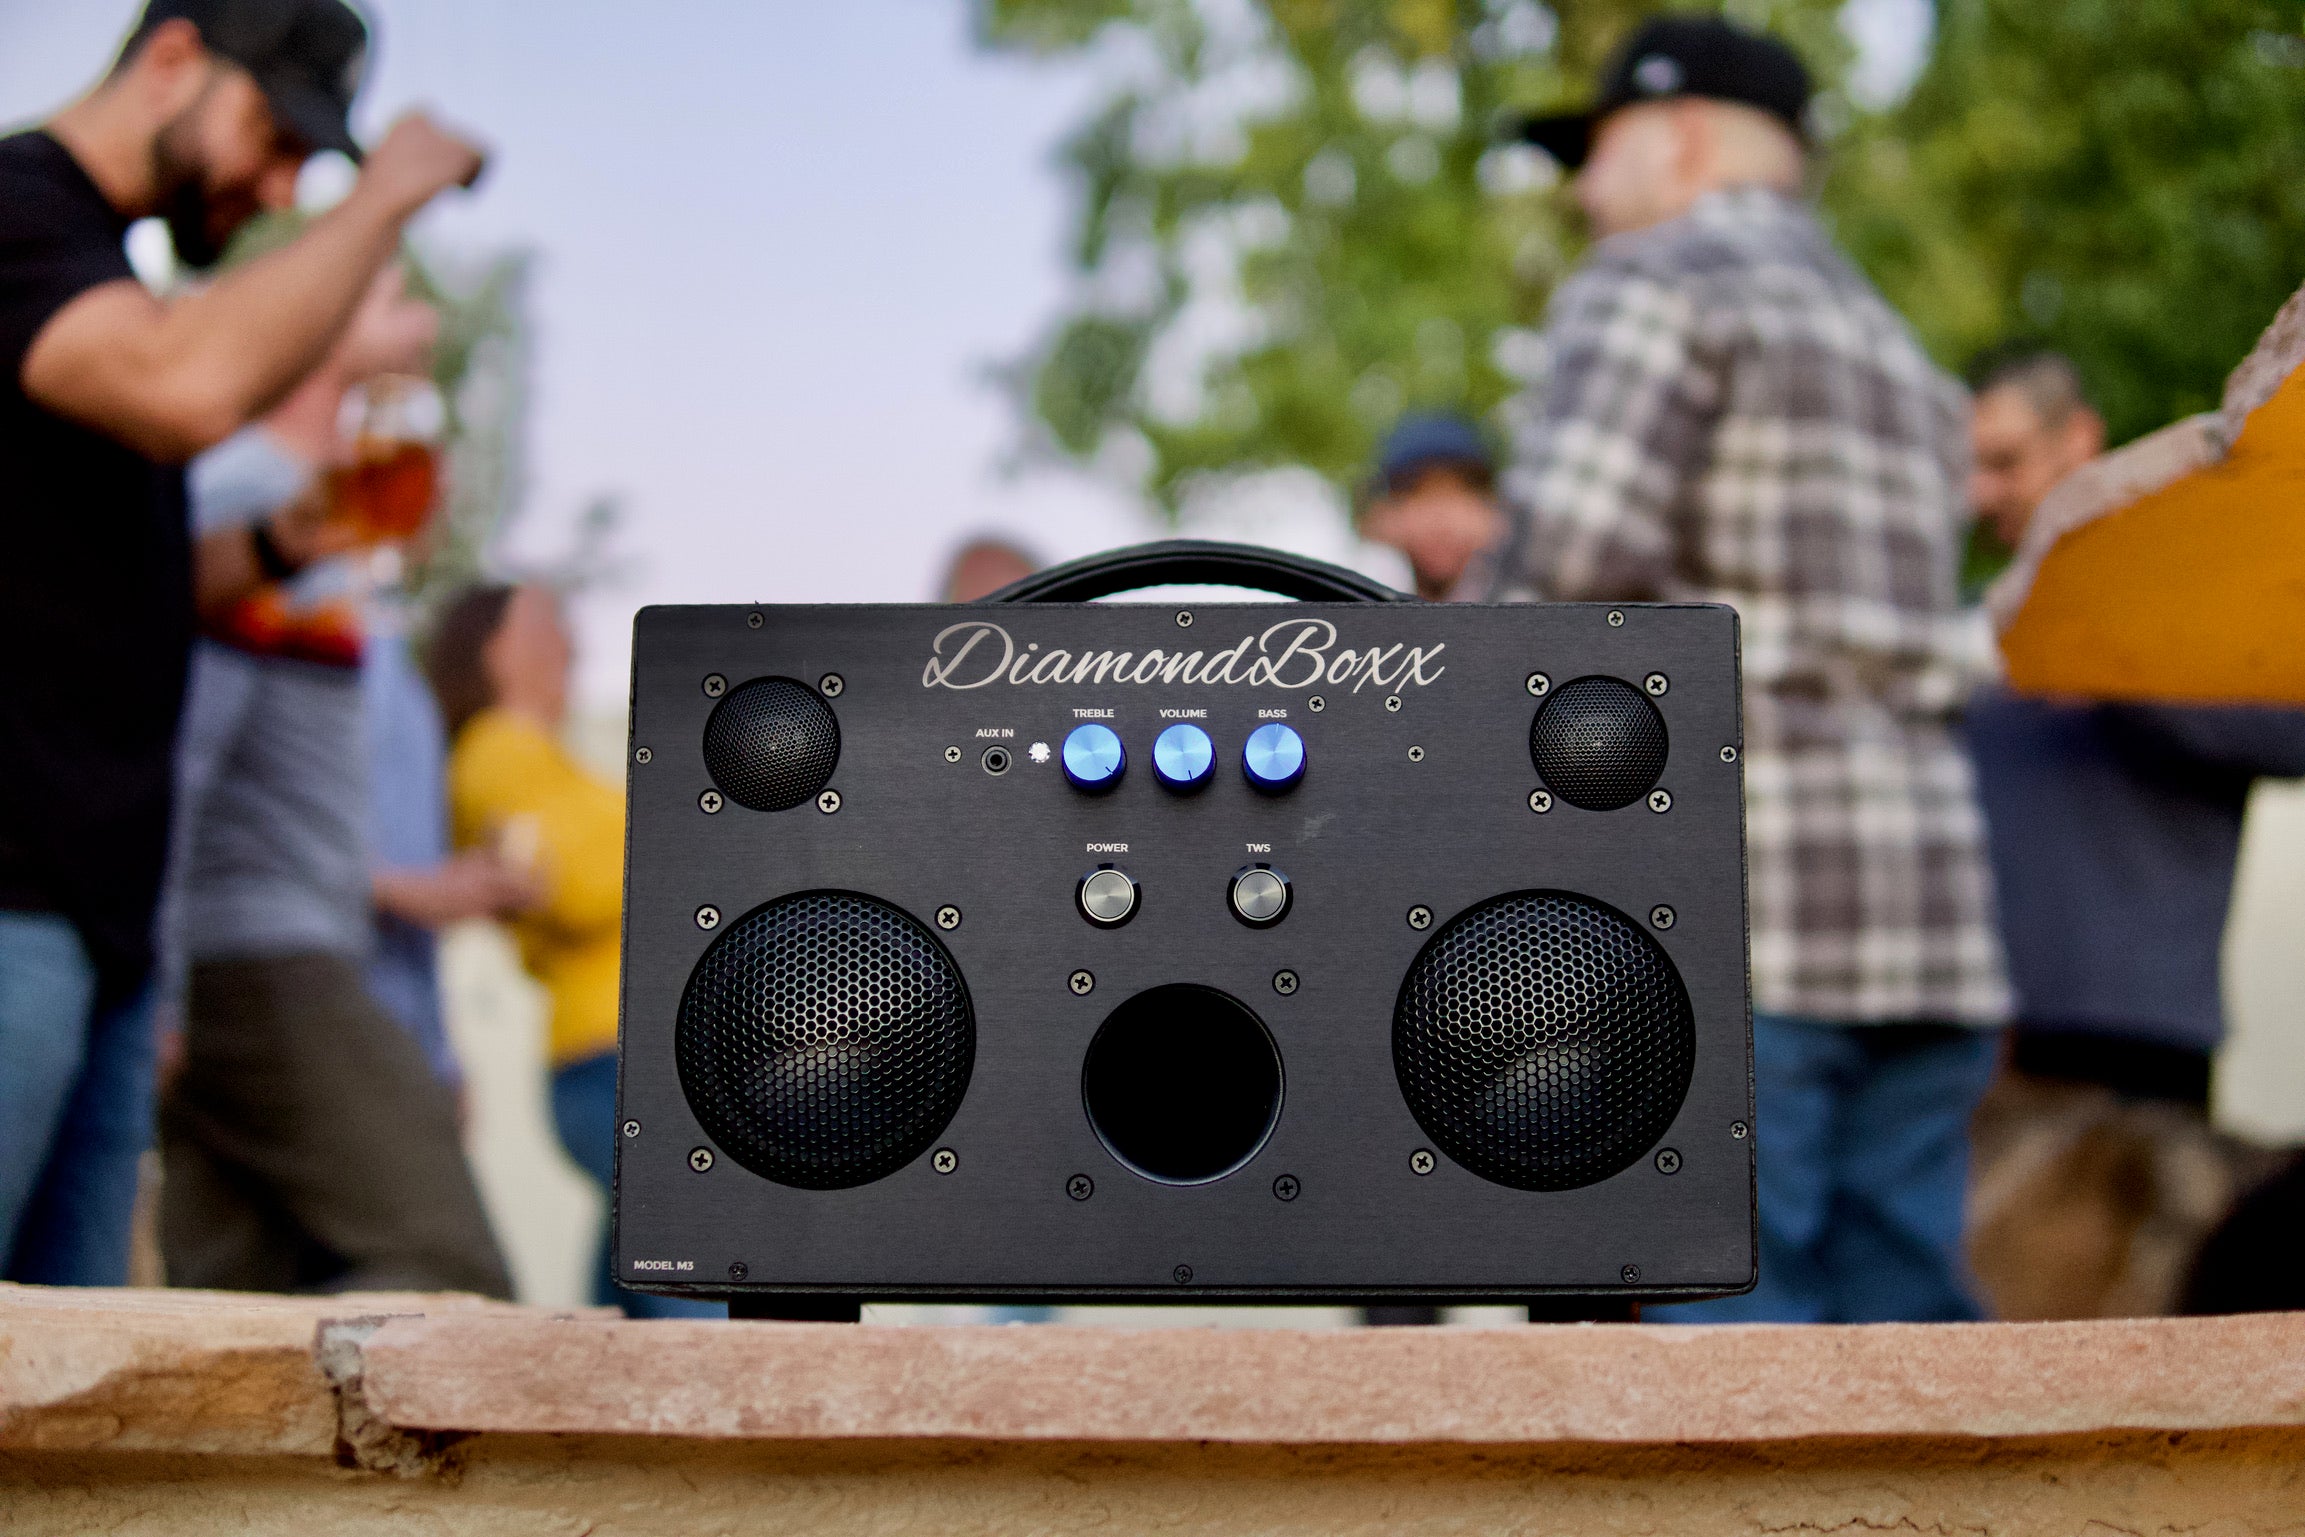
column 205, row 118
column 2254, row 1260
column 1733, row 415
column 984, row 566
column 1434, row 499
column 2030, row 426
column 306, row 1141
column 416, row 886
column 2116, row 829
column 499, row 662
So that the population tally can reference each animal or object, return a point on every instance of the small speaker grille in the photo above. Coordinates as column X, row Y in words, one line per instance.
column 1543, row 1040
column 825, row 1040
column 771, row 744
column 1598, row 743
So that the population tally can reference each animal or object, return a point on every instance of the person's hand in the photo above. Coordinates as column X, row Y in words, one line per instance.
column 416, row 161
column 303, row 531
column 483, row 885
column 476, row 884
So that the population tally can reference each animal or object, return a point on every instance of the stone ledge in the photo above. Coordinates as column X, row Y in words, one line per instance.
column 1593, row 1384
column 194, row 1373
column 213, row 1373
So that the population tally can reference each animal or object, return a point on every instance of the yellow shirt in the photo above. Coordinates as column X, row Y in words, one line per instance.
column 510, row 783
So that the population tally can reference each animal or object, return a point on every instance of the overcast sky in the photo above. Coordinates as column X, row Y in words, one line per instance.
column 778, row 243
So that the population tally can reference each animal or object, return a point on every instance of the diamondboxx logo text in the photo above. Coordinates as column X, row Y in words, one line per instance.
column 1293, row 654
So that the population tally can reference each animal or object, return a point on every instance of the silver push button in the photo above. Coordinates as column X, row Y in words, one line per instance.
column 1107, row 897
column 1259, row 895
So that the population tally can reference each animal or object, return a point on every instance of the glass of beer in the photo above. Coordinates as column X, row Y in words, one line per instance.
column 385, row 489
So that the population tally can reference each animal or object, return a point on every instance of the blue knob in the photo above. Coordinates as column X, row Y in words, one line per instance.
column 1274, row 758
column 1094, row 759
column 1183, row 758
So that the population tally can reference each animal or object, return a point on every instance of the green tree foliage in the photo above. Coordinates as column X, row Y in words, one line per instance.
column 2121, row 179
column 481, row 369
column 1320, row 181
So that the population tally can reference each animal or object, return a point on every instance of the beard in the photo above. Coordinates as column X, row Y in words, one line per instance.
column 191, row 226
column 195, row 225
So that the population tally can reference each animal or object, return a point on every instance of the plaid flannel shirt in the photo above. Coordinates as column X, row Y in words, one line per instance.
column 1730, row 413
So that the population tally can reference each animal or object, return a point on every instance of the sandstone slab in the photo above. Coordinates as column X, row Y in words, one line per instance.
column 163, row 1412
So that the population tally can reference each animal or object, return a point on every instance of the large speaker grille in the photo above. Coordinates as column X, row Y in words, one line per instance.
column 771, row 744
column 1543, row 1040
column 1598, row 743
column 825, row 1040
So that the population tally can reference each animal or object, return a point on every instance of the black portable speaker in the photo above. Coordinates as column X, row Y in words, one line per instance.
column 1342, row 949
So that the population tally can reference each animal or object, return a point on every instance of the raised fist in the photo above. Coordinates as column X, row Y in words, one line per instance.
column 416, row 160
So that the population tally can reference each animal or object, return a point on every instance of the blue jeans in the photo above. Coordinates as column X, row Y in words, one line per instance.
column 584, row 1109
column 75, row 1109
column 1863, row 1164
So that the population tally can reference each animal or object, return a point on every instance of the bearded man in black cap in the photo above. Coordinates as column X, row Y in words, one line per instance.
column 1732, row 414
column 205, row 120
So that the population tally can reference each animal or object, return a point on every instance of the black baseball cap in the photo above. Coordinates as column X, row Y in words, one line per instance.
column 307, row 56
column 1681, row 56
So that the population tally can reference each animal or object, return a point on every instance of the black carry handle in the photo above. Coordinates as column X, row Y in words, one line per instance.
column 1198, row 561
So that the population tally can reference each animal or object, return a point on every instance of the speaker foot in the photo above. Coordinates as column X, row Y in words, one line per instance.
column 1583, row 1310
column 797, row 1310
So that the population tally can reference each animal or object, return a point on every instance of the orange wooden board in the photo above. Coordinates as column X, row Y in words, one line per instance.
column 2194, row 592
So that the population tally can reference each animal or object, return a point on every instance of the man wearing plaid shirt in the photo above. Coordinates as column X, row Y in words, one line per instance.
column 1732, row 414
